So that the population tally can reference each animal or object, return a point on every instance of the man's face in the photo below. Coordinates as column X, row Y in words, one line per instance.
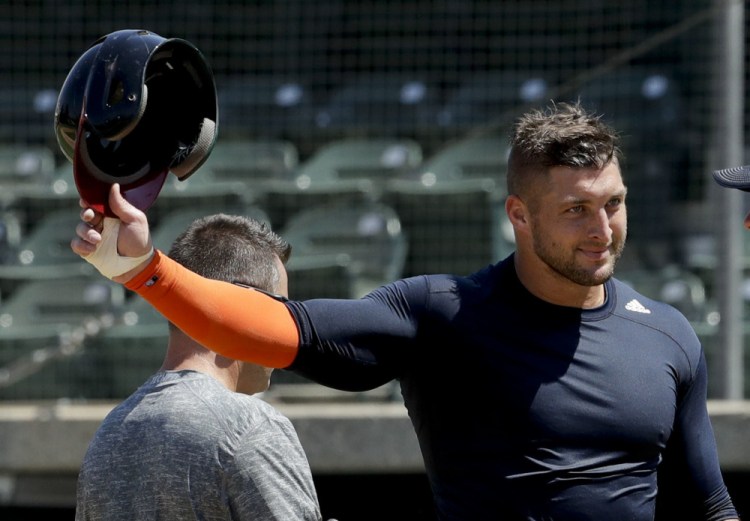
column 579, row 223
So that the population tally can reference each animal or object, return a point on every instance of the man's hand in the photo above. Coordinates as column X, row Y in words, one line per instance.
column 119, row 248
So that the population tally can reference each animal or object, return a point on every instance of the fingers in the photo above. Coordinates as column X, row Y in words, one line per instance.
column 82, row 247
column 88, row 236
column 130, row 230
column 92, row 218
column 125, row 211
column 88, row 231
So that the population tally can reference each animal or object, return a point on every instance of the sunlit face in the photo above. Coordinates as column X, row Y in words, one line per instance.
column 579, row 224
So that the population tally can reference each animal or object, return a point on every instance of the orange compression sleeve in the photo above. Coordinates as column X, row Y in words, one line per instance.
column 233, row 321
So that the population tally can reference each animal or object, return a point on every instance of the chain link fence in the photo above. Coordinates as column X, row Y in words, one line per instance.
column 427, row 90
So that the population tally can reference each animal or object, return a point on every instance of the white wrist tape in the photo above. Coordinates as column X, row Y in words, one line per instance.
column 106, row 259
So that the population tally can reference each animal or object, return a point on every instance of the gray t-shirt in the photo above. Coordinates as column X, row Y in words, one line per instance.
column 185, row 447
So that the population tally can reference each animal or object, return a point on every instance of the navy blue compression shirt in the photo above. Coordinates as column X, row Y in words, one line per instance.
column 525, row 410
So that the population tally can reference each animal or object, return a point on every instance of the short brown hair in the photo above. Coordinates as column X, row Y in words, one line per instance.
column 232, row 248
column 563, row 134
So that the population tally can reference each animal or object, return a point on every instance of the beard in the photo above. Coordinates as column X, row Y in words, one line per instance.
column 556, row 257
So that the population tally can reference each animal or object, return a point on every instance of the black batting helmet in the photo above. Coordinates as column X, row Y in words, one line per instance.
column 135, row 106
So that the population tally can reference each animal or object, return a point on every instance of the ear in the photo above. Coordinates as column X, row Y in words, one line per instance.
column 517, row 211
column 198, row 155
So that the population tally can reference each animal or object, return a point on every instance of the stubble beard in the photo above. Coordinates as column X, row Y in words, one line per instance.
column 567, row 267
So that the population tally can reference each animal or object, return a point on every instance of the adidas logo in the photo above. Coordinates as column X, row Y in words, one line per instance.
column 636, row 306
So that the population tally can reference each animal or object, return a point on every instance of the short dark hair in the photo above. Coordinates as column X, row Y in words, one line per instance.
column 563, row 134
column 232, row 248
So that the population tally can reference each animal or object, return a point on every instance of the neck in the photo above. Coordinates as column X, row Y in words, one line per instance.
column 548, row 285
column 185, row 354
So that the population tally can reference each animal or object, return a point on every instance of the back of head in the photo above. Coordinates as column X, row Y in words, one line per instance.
column 232, row 248
column 563, row 134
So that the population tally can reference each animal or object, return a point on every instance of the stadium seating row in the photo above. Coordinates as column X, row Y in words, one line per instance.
column 343, row 247
column 413, row 104
column 452, row 196
column 417, row 103
column 447, row 202
column 84, row 337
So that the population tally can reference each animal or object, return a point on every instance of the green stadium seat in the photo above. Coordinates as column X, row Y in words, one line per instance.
column 671, row 284
column 127, row 353
column 45, row 253
column 249, row 161
column 34, row 201
column 259, row 106
column 10, row 235
column 46, row 327
column 358, row 158
column 320, row 276
column 341, row 170
column 200, row 189
column 283, row 199
column 368, row 233
column 481, row 156
column 25, row 164
column 175, row 222
column 493, row 99
column 381, row 103
column 455, row 227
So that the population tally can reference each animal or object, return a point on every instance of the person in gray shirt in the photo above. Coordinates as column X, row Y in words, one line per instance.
column 191, row 443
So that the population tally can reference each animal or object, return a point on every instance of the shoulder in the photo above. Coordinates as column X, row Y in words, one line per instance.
column 632, row 303
column 657, row 316
column 448, row 284
column 241, row 416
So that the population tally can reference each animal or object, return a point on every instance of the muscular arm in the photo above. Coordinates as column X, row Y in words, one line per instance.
column 691, row 461
column 236, row 322
column 349, row 345
column 233, row 321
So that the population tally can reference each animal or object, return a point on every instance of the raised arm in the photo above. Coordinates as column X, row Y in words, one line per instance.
column 234, row 321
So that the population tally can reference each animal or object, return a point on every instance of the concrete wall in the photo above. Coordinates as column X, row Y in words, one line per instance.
column 41, row 446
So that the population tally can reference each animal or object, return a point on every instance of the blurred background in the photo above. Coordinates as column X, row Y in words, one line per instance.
column 373, row 136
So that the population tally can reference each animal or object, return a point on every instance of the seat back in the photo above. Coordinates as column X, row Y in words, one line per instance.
column 249, row 160
column 453, row 227
column 321, row 276
column 368, row 233
column 361, row 158
column 175, row 222
column 21, row 164
column 494, row 98
column 484, row 156
column 671, row 284
column 61, row 302
column 45, row 252
column 46, row 329
column 264, row 106
column 381, row 104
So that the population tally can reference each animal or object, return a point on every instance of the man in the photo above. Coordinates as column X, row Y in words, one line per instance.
column 191, row 443
column 539, row 387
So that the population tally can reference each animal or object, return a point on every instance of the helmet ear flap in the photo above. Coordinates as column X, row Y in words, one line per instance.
column 199, row 153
